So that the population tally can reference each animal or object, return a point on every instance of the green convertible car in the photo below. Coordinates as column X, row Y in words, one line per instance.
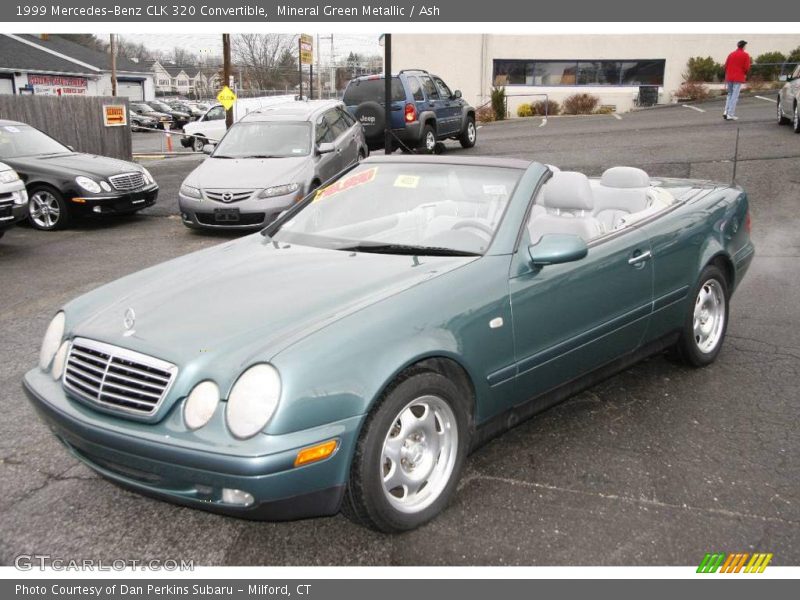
column 349, row 356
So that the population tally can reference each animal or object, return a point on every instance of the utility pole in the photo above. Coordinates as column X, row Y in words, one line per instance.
column 319, row 73
column 226, row 73
column 113, row 50
column 387, row 93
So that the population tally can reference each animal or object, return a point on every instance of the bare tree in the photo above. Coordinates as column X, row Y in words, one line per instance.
column 266, row 60
column 182, row 56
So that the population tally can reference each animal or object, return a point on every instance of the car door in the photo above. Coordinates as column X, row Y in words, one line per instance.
column 355, row 132
column 451, row 106
column 346, row 143
column 330, row 163
column 571, row 318
column 435, row 103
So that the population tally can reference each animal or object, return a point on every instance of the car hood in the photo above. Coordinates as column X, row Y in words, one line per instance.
column 76, row 163
column 243, row 301
column 253, row 173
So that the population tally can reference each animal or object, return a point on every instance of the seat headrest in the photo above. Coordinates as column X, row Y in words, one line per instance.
column 568, row 190
column 625, row 177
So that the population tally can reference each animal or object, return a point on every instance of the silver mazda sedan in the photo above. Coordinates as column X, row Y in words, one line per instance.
column 269, row 160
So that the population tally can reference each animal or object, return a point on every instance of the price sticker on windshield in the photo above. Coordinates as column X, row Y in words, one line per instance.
column 347, row 183
column 407, row 181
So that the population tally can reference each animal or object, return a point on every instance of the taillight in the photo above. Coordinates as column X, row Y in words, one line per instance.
column 748, row 225
column 411, row 113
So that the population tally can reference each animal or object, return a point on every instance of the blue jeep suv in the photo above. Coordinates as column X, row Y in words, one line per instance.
column 424, row 111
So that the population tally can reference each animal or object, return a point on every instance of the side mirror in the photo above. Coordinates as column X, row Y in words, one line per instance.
column 208, row 148
column 457, row 94
column 325, row 148
column 557, row 248
column 784, row 77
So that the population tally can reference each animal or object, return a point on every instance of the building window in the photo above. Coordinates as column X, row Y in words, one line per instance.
column 578, row 72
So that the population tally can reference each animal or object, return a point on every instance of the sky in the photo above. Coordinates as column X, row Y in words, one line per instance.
column 343, row 43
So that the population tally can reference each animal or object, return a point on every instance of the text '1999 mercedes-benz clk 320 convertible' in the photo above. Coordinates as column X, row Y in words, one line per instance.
column 350, row 355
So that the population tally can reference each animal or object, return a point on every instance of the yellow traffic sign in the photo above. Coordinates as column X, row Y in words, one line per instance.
column 226, row 97
column 306, row 49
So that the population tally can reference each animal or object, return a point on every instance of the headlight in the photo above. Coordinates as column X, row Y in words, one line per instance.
column 190, row 192
column 147, row 176
column 279, row 190
column 88, row 184
column 59, row 361
column 201, row 404
column 253, row 400
column 8, row 176
column 51, row 341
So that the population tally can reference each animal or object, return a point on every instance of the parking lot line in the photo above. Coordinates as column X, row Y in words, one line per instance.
column 693, row 107
column 767, row 99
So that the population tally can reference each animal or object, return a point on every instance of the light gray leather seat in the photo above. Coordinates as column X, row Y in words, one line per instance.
column 621, row 191
column 568, row 202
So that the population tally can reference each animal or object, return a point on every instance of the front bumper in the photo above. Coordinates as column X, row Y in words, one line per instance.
column 169, row 469
column 11, row 214
column 117, row 203
column 253, row 213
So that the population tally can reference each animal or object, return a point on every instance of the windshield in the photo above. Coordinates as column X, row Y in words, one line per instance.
column 265, row 139
column 24, row 140
column 406, row 208
column 160, row 106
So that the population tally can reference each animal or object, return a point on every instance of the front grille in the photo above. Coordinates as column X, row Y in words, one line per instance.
column 117, row 378
column 244, row 219
column 229, row 195
column 127, row 181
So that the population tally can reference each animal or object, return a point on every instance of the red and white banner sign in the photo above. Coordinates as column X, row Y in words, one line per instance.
column 56, row 85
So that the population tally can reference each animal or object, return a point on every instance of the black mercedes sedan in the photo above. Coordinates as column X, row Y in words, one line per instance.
column 63, row 184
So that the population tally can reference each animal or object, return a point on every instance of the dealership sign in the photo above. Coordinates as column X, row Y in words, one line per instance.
column 56, row 85
column 114, row 115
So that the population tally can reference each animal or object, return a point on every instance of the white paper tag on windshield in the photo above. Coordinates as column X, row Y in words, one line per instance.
column 11, row 129
column 497, row 189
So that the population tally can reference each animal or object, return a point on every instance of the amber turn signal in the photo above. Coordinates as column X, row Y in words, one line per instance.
column 315, row 453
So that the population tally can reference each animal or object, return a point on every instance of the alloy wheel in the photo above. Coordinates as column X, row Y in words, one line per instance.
column 419, row 454
column 44, row 209
column 471, row 132
column 430, row 141
column 709, row 316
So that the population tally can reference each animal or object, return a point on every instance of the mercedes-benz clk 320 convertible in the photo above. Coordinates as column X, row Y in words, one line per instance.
column 350, row 355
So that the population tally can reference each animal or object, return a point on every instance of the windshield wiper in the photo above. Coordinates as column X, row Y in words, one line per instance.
column 408, row 250
column 264, row 156
column 223, row 156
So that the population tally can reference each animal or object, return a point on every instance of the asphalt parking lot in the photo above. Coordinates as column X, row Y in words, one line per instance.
column 657, row 465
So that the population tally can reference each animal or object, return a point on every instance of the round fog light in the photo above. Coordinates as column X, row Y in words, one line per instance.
column 57, row 370
column 201, row 404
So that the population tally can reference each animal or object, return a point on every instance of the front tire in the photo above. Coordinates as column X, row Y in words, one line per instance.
column 410, row 454
column 796, row 119
column 706, row 320
column 47, row 210
column 470, row 134
column 198, row 143
column 782, row 120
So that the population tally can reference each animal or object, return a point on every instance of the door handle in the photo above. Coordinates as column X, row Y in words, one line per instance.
column 639, row 258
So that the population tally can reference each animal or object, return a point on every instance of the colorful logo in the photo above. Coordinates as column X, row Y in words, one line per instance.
column 734, row 562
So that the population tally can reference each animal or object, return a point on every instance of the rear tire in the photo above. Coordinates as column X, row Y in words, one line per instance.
column 706, row 319
column 410, row 453
column 470, row 134
column 427, row 143
column 796, row 119
column 198, row 143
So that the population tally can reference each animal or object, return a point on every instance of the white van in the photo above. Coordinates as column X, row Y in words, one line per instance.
column 211, row 126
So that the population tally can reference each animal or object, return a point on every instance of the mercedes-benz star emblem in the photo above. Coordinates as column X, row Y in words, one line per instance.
column 129, row 321
column 227, row 196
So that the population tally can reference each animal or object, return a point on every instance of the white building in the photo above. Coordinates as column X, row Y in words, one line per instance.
column 52, row 65
column 609, row 66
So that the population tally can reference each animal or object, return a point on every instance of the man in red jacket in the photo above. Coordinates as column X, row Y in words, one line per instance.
column 736, row 67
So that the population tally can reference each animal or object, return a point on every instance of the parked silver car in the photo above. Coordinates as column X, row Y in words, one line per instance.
column 13, row 198
column 268, row 161
column 789, row 101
